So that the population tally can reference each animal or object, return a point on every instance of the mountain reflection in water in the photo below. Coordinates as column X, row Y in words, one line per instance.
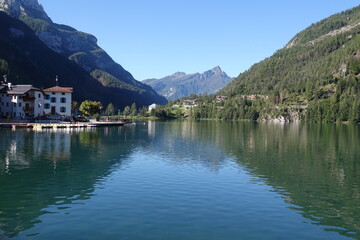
column 314, row 168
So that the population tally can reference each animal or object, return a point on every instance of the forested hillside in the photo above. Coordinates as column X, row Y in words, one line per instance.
column 315, row 77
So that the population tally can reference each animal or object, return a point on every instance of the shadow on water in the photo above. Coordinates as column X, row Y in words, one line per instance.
column 316, row 168
column 54, row 168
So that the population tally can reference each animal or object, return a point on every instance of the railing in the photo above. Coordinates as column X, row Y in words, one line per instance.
column 28, row 99
column 28, row 109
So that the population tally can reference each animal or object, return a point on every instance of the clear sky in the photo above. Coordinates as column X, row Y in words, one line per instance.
column 156, row 38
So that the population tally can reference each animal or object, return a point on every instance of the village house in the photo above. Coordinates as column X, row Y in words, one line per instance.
column 58, row 101
column 221, row 98
column 20, row 101
column 27, row 101
column 152, row 106
column 190, row 103
column 253, row 97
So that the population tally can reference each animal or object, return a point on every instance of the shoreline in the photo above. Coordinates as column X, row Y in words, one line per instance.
column 38, row 126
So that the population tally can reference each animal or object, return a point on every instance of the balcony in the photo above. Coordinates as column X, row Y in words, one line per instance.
column 28, row 109
column 28, row 99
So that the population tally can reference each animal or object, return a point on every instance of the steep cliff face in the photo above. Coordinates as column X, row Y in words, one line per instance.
column 31, row 8
column 181, row 84
column 80, row 48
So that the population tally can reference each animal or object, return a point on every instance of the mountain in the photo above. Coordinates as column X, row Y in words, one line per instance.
column 119, row 86
column 318, row 70
column 27, row 60
column 181, row 84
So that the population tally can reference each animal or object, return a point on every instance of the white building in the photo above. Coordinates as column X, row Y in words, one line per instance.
column 152, row 106
column 58, row 101
column 20, row 101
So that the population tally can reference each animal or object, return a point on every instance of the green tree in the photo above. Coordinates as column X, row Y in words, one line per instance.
column 354, row 66
column 90, row 108
column 133, row 109
column 143, row 112
column 179, row 113
column 127, row 111
column 3, row 67
column 110, row 110
column 355, row 112
column 74, row 106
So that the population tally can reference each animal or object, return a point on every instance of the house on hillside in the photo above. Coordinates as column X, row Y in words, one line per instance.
column 152, row 106
column 58, row 101
column 21, row 101
column 221, row 98
column 188, row 103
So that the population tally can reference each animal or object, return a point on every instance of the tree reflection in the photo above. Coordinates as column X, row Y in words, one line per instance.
column 315, row 167
column 51, row 168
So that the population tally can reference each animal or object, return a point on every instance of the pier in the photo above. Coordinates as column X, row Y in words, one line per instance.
column 40, row 126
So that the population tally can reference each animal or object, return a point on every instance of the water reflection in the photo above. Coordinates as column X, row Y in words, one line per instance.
column 315, row 167
column 51, row 168
column 181, row 143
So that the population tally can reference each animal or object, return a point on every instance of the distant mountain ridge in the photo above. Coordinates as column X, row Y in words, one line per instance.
column 82, row 49
column 180, row 84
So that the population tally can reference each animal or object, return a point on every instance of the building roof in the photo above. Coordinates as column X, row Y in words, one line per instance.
column 59, row 89
column 17, row 89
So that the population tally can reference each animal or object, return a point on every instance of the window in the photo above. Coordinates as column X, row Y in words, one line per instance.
column 63, row 93
column 39, row 95
column 47, row 106
column 19, row 104
column 53, row 99
column 7, row 104
column 14, row 114
column 53, row 93
column 63, row 109
column 14, row 104
column 47, row 97
column 63, row 100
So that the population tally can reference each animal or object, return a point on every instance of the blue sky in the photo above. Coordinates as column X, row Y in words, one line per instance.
column 156, row 38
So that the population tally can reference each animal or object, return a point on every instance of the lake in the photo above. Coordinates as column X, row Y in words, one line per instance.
column 181, row 180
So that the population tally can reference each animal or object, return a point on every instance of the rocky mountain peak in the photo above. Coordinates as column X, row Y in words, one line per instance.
column 179, row 74
column 31, row 8
column 217, row 70
column 181, row 85
column 214, row 71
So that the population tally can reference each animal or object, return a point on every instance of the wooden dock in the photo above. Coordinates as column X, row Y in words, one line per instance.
column 40, row 126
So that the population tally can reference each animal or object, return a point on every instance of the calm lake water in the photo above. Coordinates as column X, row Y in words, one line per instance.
column 181, row 180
